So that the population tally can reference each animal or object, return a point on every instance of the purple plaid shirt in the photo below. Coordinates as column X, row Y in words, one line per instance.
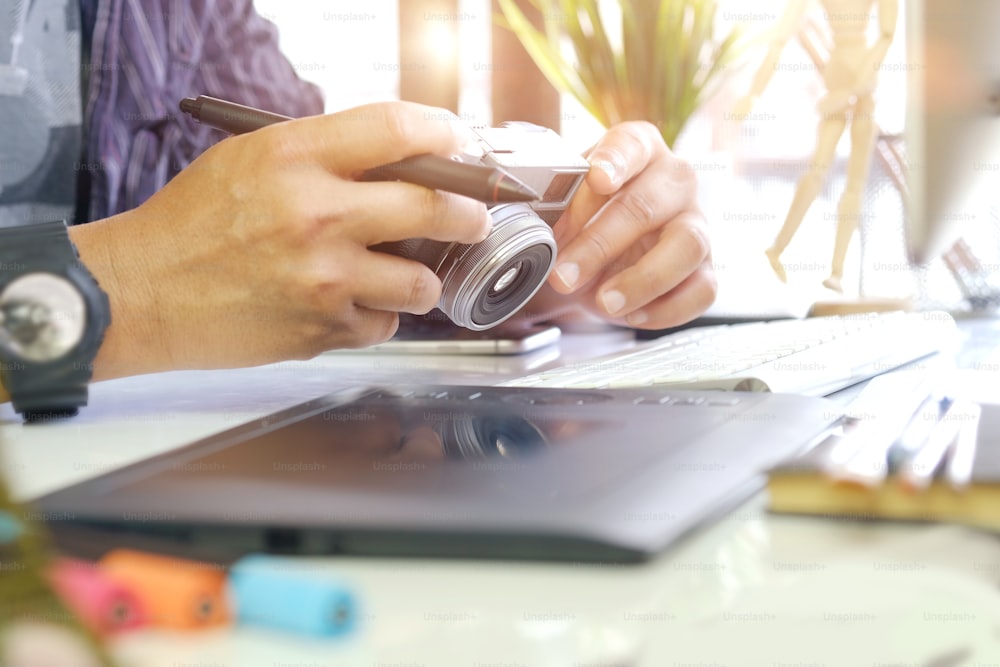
column 148, row 54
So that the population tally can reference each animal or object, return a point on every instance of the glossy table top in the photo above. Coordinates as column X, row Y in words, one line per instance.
column 750, row 588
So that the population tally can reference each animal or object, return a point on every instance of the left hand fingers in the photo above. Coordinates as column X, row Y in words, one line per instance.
column 625, row 151
column 682, row 304
column 682, row 248
column 645, row 204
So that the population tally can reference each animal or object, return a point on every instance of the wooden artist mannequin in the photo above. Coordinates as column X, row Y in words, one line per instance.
column 850, row 75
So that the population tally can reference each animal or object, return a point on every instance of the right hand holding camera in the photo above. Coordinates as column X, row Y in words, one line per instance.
column 260, row 251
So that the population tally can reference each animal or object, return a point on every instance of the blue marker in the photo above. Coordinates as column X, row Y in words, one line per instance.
column 281, row 593
column 10, row 528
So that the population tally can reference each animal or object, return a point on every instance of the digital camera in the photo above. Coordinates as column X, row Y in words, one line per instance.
column 485, row 283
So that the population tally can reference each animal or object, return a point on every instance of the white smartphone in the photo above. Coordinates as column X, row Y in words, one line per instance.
column 457, row 340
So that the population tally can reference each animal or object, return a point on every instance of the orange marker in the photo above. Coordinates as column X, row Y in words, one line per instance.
column 102, row 603
column 175, row 593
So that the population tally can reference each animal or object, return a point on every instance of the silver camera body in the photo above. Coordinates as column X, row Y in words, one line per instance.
column 488, row 282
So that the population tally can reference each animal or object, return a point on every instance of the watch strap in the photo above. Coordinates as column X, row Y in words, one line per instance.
column 54, row 390
column 50, row 240
column 62, row 399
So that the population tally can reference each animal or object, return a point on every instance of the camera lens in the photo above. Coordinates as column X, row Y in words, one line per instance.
column 486, row 283
column 506, row 279
column 516, row 284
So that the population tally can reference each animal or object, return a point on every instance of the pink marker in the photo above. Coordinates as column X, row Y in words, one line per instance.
column 103, row 604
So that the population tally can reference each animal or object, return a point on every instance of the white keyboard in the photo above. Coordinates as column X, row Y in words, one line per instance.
column 814, row 357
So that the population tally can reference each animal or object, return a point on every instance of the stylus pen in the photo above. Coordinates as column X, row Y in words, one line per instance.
column 487, row 184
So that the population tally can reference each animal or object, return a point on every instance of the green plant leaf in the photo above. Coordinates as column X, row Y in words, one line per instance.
column 593, row 73
column 670, row 60
column 545, row 54
column 612, row 78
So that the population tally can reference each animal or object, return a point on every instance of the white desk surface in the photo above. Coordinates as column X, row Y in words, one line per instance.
column 749, row 589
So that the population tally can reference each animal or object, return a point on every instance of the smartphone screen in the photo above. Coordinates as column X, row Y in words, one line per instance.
column 457, row 340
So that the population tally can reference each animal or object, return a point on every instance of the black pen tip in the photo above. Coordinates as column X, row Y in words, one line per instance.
column 509, row 189
column 190, row 105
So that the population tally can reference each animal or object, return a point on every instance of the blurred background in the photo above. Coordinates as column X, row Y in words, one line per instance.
column 459, row 54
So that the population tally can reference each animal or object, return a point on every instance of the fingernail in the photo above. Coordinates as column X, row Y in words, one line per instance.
column 638, row 318
column 608, row 167
column 612, row 163
column 568, row 273
column 614, row 301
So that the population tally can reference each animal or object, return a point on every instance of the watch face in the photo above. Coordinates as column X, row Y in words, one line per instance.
column 42, row 317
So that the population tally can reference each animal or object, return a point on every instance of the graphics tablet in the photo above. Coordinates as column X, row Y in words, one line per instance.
column 457, row 471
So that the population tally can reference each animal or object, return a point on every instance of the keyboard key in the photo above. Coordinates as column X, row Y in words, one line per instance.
column 814, row 356
column 727, row 402
column 689, row 401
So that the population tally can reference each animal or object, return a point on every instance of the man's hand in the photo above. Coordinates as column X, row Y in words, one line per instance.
column 259, row 251
column 633, row 246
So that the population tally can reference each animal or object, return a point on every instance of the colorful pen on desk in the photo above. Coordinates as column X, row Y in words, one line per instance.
column 36, row 628
column 175, row 593
column 487, row 184
column 283, row 593
column 917, row 472
column 106, row 606
column 962, row 455
column 886, row 405
column 916, row 433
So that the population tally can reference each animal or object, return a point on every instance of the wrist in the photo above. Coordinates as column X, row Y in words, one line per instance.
column 131, row 345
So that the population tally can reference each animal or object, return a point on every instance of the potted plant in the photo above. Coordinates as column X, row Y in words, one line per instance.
column 668, row 61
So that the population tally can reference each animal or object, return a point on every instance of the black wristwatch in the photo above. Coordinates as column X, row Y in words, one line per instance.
column 53, row 316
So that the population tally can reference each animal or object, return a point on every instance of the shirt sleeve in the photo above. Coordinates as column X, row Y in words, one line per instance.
column 251, row 68
column 145, row 58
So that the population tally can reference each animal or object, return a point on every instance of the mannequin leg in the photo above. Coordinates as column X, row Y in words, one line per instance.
column 858, row 167
column 827, row 136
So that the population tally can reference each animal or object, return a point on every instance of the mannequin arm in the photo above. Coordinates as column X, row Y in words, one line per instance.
column 888, row 13
column 782, row 33
column 864, row 81
column 813, row 44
